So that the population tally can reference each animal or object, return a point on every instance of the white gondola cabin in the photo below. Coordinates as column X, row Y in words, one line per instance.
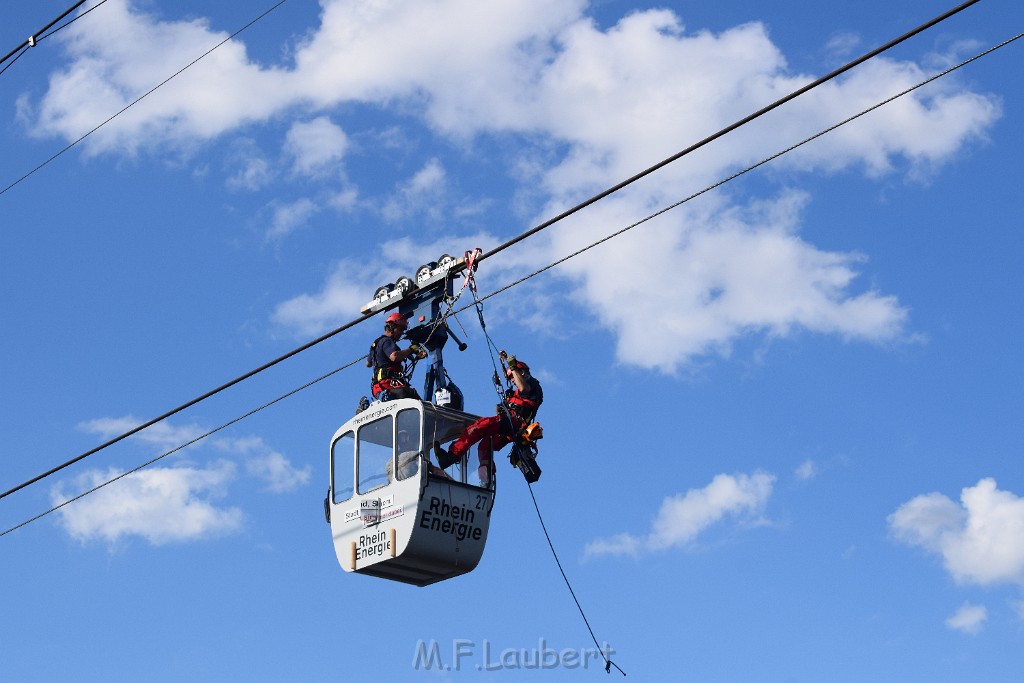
column 394, row 514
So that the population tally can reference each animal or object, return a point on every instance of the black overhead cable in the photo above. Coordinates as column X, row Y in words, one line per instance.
column 526, row 234
column 144, row 95
column 34, row 39
column 746, row 170
column 197, row 439
column 183, row 406
column 478, row 302
column 730, row 128
column 11, row 63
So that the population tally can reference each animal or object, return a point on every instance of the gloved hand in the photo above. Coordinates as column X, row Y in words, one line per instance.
column 418, row 351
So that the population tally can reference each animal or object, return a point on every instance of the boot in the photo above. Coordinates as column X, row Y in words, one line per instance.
column 444, row 458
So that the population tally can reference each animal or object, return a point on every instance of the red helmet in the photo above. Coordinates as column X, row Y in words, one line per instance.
column 397, row 319
column 517, row 365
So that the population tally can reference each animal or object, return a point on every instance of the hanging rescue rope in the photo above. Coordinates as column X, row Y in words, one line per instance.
column 608, row 663
column 491, row 347
column 533, row 432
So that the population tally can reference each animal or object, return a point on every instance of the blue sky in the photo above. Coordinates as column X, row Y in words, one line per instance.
column 782, row 421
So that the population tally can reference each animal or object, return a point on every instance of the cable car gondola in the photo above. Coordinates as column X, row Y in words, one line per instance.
column 395, row 515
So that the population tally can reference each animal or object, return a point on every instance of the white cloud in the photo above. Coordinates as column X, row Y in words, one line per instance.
column 980, row 540
column 164, row 504
column 278, row 472
column 709, row 278
column 122, row 52
column 161, row 505
column 351, row 283
column 843, row 44
column 926, row 129
column 315, row 146
column 968, row 619
column 807, row 470
column 263, row 462
column 345, row 199
column 163, row 435
column 289, row 217
column 347, row 289
column 420, row 193
column 248, row 168
column 683, row 517
column 612, row 100
column 619, row 96
column 464, row 62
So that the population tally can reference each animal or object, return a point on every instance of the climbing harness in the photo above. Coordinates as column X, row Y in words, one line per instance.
column 393, row 370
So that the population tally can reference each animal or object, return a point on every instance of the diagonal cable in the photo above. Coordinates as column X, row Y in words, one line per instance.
column 144, row 95
column 32, row 40
column 183, row 446
column 728, row 129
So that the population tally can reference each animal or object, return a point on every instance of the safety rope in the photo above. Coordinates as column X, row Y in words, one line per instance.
column 470, row 283
column 492, row 348
column 608, row 663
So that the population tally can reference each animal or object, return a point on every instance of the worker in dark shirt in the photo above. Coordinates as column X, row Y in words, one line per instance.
column 386, row 358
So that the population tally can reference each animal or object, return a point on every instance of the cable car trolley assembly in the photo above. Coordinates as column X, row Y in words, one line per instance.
column 421, row 301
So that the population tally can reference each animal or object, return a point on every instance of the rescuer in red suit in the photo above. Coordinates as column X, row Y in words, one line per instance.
column 517, row 410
